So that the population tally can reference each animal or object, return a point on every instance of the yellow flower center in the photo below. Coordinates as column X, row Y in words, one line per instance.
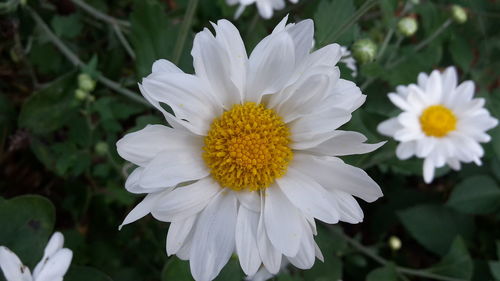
column 247, row 147
column 437, row 121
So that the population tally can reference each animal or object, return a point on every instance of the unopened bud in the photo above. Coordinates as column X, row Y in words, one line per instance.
column 101, row 148
column 85, row 82
column 458, row 13
column 80, row 94
column 407, row 26
column 394, row 243
column 364, row 50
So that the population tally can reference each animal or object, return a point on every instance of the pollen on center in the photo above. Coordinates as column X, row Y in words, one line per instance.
column 438, row 121
column 247, row 147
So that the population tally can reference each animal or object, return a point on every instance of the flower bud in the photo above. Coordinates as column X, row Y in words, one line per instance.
column 85, row 82
column 407, row 26
column 458, row 14
column 80, row 94
column 364, row 50
column 394, row 243
column 101, row 148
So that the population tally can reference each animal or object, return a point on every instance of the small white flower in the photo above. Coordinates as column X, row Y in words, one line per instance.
column 252, row 158
column 52, row 266
column 441, row 122
column 266, row 7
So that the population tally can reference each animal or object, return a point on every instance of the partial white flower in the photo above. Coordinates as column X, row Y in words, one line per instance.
column 266, row 7
column 52, row 266
column 348, row 60
column 441, row 122
column 251, row 159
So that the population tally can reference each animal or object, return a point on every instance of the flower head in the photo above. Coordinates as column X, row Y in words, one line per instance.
column 251, row 159
column 441, row 122
column 54, row 264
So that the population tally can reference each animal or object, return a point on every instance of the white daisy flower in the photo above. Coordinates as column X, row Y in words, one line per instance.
column 251, row 158
column 265, row 7
column 52, row 267
column 441, row 122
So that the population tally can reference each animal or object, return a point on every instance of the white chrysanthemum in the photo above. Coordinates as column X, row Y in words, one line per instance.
column 441, row 122
column 52, row 267
column 251, row 159
column 266, row 7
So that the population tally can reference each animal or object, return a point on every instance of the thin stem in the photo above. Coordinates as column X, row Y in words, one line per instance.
column 123, row 40
column 100, row 15
column 75, row 60
column 404, row 270
column 186, row 25
column 387, row 38
column 352, row 20
column 425, row 42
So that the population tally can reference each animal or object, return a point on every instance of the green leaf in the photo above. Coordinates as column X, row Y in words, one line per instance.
column 152, row 36
column 50, row 108
column 475, row 195
column 231, row 271
column 461, row 52
column 330, row 17
column 84, row 273
column 386, row 273
column 176, row 269
column 457, row 263
column 27, row 222
column 434, row 226
column 495, row 269
column 66, row 26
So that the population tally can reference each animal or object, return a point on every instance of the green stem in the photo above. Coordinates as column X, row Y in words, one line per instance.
column 100, row 15
column 404, row 270
column 123, row 40
column 75, row 60
column 352, row 20
column 183, row 32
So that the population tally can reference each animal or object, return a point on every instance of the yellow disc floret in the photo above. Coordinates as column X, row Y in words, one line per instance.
column 438, row 121
column 247, row 147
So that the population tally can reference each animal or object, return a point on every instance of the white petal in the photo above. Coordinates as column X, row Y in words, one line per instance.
column 349, row 209
column 449, row 79
column 170, row 168
column 405, row 150
column 132, row 184
column 398, row 101
column 428, row 170
column 265, row 8
column 283, row 221
column 307, row 127
column 186, row 201
column 12, row 267
column 389, row 127
column 344, row 143
column 333, row 174
column 213, row 240
column 249, row 199
column 229, row 37
column 56, row 266
column 162, row 65
column 302, row 34
column 246, row 240
column 270, row 66
column 177, row 234
column 144, row 207
column 187, row 96
column 307, row 195
column 465, row 91
column 306, row 255
column 271, row 257
column 142, row 146
column 213, row 65
column 434, row 87
column 55, row 243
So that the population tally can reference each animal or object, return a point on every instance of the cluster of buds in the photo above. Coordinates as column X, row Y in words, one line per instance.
column 85, row 86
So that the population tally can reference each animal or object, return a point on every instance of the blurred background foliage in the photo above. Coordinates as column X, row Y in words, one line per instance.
column 59, row 169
